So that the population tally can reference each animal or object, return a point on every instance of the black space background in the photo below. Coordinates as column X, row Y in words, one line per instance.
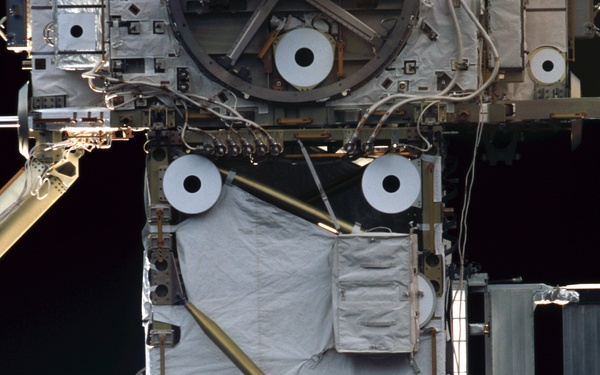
column 70, row 288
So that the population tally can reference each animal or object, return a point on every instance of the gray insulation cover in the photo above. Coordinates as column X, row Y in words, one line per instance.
column 506, row 31
column 264, row 276
column 373, row 294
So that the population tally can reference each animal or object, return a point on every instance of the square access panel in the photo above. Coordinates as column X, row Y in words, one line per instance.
column 76, row 32
column 581, row 334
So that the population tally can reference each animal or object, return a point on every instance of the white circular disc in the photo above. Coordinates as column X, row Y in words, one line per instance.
column 391, row 184
column 547, row 65
column 192, row 184
column 426, row 300
column 304, row 57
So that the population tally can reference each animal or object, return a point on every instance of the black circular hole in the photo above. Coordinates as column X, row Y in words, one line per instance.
column 161, row 290
column 76, row 31
column 161, row 265
column 432, row 260
column 159, row 154
column 548, row 66
column 391, row 184
column 304, row 57
column 192, row 184
column 436, row 285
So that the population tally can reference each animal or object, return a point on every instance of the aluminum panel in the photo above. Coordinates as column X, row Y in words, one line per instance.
column 546, row 28
column 76, row 32
column 510, row 345
column 506, row 31
column 545, row 4
column 581, row 339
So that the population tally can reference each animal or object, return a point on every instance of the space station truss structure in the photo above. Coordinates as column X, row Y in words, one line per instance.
column 296, row 182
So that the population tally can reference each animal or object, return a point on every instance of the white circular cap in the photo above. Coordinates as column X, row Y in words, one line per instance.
column 547, row 65
column 304, row 57
column 426, row 300
column 192, row 184
column 391, row 184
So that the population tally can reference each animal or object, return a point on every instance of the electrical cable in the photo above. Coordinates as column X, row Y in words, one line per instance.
column 142, row 87
column 462, row 239
column 441, row 96
column 470, row 177
column 418, row 126
column 446, row 90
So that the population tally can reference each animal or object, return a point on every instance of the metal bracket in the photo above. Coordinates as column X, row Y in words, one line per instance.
column 429, row 31
column 462, row 65
column 433, row 270
column 410, row 67
column 155, row 337
column 153, row 214
column 164, row 279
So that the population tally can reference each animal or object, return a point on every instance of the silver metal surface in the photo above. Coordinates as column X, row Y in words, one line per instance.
column 192, row 75
column 7, row 122
column 76, row 31
column 260, row 15
column 510, row 344
column 547, row 24
column 22, row 113
column 581, row 339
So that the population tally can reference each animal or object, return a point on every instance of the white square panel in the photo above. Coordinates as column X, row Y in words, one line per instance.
column 76, row 32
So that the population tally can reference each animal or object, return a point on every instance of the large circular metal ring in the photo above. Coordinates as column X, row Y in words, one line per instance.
column 201, row 33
